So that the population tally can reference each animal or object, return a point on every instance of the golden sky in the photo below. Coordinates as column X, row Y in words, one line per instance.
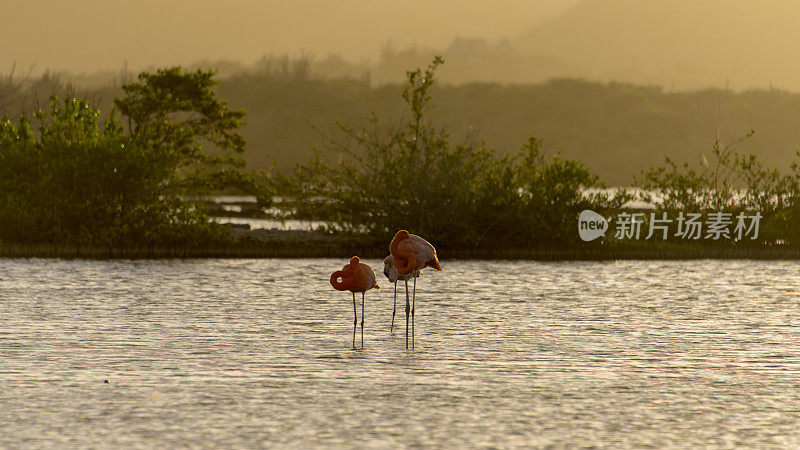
column 87, row 35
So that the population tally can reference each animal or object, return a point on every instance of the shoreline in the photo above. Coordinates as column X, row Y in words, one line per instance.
column 307, row 244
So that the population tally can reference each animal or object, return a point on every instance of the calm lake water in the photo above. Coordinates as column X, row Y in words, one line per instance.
column 258, row 353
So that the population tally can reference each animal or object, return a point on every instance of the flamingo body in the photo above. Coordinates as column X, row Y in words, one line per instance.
column 411, row 252
column 355, row 277
column 393, row 275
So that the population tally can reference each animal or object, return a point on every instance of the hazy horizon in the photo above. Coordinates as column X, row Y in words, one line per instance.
column 90, row 35
column 689, row 45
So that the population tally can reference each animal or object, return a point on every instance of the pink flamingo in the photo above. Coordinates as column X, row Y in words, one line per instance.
column 412, row 253
column 355, row 277
column 391, row 273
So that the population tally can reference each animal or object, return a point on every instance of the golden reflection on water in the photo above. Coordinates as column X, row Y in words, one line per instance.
column 257, row 352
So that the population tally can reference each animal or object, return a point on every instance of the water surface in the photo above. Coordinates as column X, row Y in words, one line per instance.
column 258, row 353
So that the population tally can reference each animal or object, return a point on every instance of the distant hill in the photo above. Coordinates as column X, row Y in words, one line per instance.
column 472, row 60
column 680, row 44
column 618, row 129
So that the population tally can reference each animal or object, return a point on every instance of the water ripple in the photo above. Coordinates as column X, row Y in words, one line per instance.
column 257, row 352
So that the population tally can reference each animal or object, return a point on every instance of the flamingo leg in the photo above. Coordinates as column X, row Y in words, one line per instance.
column 408, row 309
column 394, row 308
column 362, row 320
column 413, row 298
column 355, row 320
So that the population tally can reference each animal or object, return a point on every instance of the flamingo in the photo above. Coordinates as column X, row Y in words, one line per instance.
column 355, row 277
column 393, row 276
column 412, row 253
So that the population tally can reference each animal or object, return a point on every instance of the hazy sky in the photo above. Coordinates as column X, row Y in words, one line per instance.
column 86, row 35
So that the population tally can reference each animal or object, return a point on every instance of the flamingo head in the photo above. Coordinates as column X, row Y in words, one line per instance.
column 338, row 278
column 389, row 270
column 404, row 260
column 393, row 275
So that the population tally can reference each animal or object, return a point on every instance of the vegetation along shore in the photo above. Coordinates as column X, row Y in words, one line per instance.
column 134, row 183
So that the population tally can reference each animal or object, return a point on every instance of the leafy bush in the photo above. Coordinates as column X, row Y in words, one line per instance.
column 77, row 180
column 378, row 178
column 729, row 182
column 555, row 190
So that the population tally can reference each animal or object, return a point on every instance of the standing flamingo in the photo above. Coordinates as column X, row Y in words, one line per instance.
column 355, row 277
column 393, row 276
column 412, row 253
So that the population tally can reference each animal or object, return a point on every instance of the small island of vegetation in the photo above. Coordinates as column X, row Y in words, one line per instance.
column 136, row 183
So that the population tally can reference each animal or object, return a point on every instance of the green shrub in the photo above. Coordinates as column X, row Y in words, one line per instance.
column 729, row 182
column 76, row 180
column 379, row 178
